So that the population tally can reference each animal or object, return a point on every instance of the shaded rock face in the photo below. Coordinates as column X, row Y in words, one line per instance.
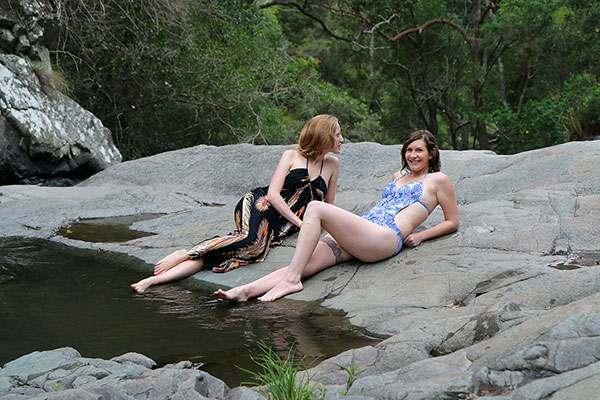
column 45, row 137
column 26, row 27
column 486, row 311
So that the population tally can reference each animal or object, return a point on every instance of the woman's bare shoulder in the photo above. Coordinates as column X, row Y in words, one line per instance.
column 332, row 160
column 438, row 175
column 397, row 175
column 441, row 179
column 290, row 153
column 291, row 157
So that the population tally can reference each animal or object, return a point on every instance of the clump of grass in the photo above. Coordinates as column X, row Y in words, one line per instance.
column 281, row 379
column 52, row 81
column 353, row 373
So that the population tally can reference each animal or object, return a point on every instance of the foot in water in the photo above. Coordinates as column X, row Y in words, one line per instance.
column 142, row 285
column 283, row 288
column 237, row 294
column 170, row 261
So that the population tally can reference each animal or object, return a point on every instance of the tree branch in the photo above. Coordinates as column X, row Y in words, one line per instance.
column 427, row 24
column 492, row 5
column 303, row 10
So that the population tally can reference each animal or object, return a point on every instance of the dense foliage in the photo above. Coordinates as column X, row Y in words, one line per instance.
column 165, row 74
column 508, row 75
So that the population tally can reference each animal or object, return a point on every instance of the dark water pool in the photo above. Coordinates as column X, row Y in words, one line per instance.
column 106, row 230
column 53, row 295
column 577, row 260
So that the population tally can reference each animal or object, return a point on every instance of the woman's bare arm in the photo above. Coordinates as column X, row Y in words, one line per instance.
column 332, row 183
column 277, row 181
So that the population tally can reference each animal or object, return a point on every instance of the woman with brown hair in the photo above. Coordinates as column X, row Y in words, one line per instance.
column 380, row 233
column 266, row 215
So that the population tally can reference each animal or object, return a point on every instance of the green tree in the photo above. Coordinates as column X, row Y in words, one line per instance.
column 165, row 74
column 548, row 92
column 447, row 56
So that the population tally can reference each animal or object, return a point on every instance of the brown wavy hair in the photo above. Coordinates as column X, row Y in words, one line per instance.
column 317, row 136
column 432, row 147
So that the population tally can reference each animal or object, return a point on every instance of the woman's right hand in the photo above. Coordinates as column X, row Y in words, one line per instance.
column 413, row 240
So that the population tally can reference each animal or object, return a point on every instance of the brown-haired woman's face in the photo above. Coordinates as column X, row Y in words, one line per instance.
column 417, row 156
column 336, row 146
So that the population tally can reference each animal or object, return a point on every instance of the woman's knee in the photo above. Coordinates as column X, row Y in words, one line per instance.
column 314, row 209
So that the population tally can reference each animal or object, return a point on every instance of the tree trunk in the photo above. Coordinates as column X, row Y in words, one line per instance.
column 432, row 123
column 476, row 57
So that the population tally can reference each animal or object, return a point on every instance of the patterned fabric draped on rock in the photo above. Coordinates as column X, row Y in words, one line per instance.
column 258, row 225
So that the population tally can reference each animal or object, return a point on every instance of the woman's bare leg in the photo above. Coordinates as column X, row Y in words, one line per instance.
column 252, row 289
column 359, row 237
column 180, row 271
column 323, row 257
column 168, row 262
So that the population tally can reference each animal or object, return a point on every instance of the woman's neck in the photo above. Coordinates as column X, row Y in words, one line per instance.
column 420, row 173
column 317, row 159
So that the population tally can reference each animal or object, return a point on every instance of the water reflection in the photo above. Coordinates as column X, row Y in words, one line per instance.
column 54, row 295
column 107, row 230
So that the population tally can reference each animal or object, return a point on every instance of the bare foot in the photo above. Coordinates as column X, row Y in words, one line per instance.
column 236, row 294
column 283, row 288
column 142, row 285
column 170, row 261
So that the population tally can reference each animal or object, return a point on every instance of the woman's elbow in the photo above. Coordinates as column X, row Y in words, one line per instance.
column 269, row 196
column 272, row 197
column 451, row 225
column 455, row 225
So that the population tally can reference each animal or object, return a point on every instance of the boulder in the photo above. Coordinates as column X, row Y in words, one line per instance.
column 63, row 373
column 506, row 306
column 26, row 27
column 45, row 137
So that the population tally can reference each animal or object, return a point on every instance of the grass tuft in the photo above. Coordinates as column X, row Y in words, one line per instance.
column 283, row 379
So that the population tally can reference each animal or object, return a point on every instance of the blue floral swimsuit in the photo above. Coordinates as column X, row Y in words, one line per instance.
column 392, row 201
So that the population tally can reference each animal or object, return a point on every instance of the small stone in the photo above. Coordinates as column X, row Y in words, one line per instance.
column 135, row 358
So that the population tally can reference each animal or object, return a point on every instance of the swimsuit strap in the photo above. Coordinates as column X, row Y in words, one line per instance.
column 400, row 177
column 320, row 171
column 423, row 204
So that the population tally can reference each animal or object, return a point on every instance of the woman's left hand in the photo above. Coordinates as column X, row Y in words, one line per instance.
column 413, row 240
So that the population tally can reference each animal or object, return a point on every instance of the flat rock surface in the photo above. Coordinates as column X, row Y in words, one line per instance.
column 490, row 309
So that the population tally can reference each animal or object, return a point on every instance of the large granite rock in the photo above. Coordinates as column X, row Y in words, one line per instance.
column 64, row 374
column 26, row 28
column 489, row 310
column 45, row 137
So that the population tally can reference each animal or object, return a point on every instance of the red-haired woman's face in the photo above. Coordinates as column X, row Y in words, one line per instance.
column 336, row 147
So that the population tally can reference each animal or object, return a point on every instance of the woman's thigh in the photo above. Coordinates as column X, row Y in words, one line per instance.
column 362, row 239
